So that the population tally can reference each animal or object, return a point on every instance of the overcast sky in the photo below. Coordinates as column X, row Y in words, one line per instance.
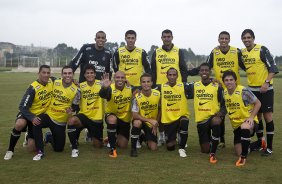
column 195, row 23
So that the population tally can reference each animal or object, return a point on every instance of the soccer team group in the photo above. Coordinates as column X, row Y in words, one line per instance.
column 147, row 101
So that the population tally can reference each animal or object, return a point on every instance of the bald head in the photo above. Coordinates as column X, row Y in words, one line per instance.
column 120, row 79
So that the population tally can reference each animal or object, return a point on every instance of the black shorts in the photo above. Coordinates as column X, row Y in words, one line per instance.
column 204, row 131
column 123, row 128
column 171, row 129
column 28, row 126
column 148, row 133
column 58, row 132
column 237, row 134
column 266, row 99
column 95, row 128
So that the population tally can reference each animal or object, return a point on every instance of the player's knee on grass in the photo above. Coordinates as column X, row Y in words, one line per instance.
column 122, row 142
column 137, row 123
column 97, row 143
column 152, row 145
column 170, row 146
column 31, row 145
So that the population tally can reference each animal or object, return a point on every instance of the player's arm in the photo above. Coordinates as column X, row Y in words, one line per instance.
column 146, row 62
column 182, row 66
column 240, row 60
column 76, row 61
column 26, row 103
column 116, row 61
column 154, row 68
column 76, row 101
column 222, row 110
column 250, row 98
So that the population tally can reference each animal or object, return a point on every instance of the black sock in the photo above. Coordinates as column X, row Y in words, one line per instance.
column 183, row 133
column 245, row 141
column 15, row 135
column 72, row 136
column 111, row 130
column 269, row 134
column 215, row 137
column 135, row 132
column 259, row 132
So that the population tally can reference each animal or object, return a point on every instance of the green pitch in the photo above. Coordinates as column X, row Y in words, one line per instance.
column 94, row 166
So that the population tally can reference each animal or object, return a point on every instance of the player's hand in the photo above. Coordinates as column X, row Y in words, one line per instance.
column 250, row 121
column 75, row 82
column 154, row 122
column 154, row 130
column 69, row 111
column 215, row 81
column 36, row 121
column 106, row 82
column 136, row 91
column 264, row 87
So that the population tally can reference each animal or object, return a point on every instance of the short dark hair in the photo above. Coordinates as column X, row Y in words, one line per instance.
column 43, row 66
column 167, row 31
column 66, row 67
column 101, row 32
column 224, row 33
column 171, row 68
column 130, row 32
column 248, row 31
column 146, row 75
column 204, row 64
column 89, row 67
column 229, row 73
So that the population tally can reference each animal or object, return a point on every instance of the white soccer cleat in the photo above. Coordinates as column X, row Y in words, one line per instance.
column 138, row 145
column 8, row 155
column 74, row 153
column 182, row 153
column 38, row 157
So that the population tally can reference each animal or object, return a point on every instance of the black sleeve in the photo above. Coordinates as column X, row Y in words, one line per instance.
column 182, row 66
column 146, row 62
column 26, row 103
column 106, row 93
column 153, row 68
column 194, row 71
column 240, row 60
column 109, row 65
column 267, row 58
column 210, row 60
column 221, row 100
column 189, row 90
column 116, row 61
column 76, row 61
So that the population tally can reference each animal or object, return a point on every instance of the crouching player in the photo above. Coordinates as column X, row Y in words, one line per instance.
column 209, row 111
column 242, row 107
column 145, row 113
column 117, row 112
column 91, row 112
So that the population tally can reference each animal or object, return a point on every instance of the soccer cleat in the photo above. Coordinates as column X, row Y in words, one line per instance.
column 138, row 144
column 113, row 153
column 263, row 144
column 133, row 153
column 213, row 159
column 241, row 162
column 48, row 137
column 39, row 156
column 266, row 152
column 8, row 155
column 87, row 136
column 25, row 139
column 74, row 153
column 161, row 140
column 182, row 153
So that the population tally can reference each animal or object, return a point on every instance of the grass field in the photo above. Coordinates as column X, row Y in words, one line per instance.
column 94, row 166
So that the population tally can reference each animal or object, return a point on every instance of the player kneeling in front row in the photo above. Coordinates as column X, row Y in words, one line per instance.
column 91, row 112
column 242, row 107
column 64, row 94
column 34, row 102
column 174, row 110
column 209, row 111
column 145, row 113
column 117, row 112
